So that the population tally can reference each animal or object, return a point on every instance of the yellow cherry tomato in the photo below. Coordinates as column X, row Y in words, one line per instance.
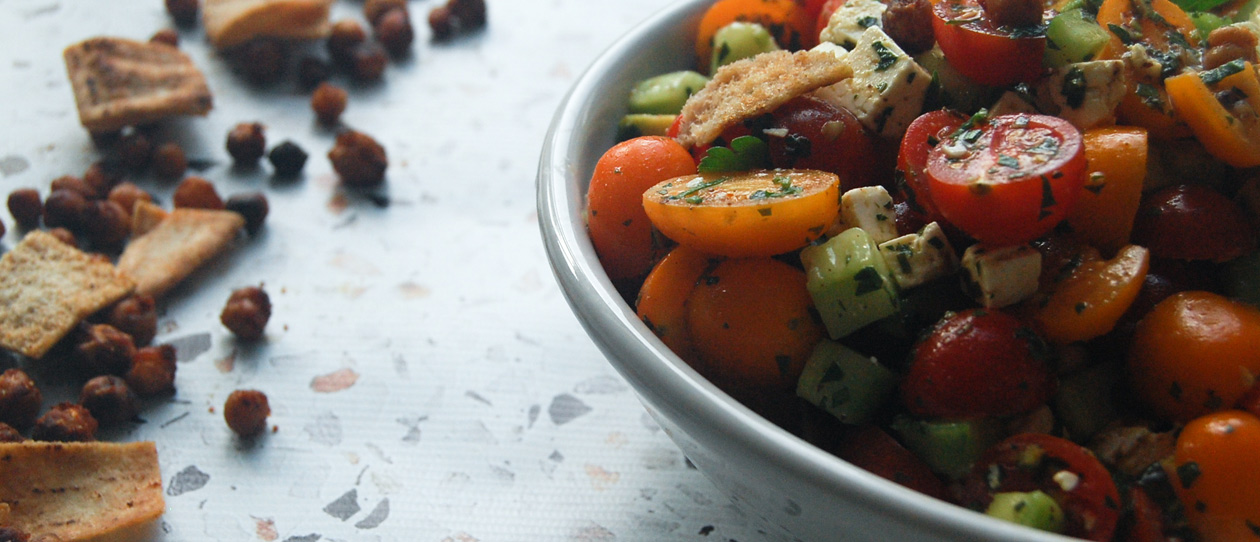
column 1217, row 477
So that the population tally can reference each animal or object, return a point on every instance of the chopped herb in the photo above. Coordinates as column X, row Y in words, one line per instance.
column 883, row 119
column 868, row 280
column 694, row 200
column 766, row 211
column 867, row 21
column 887, row 58
column 1047, row 193
column 834, row 373
column 1034, row 31
column 1213, row 76
column 1122, row 33
column 1188, row 473
column 1081, row 307
column 882, row 86
column 936, row 243
column 1008, row 161
column 1150, row 96
column 1074, row 86
column 1048, row 146
column 745, row 153
column 1175, row 390
column 784, row 363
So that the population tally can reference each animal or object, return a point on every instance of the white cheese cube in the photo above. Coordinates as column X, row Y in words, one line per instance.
column 1001, row 276
column 832, row 48
column 919, row 258
column 849, row 21
column 1085, row 93
column 1011, row 103
column 888, row 87
column 870, row 208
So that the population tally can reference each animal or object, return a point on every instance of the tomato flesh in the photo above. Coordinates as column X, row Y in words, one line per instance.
column 921, row 136
column 808, row 133
column 995, row 56
column 1010, row 179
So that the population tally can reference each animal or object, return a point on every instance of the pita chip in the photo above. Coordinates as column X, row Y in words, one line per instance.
column 180, row 243
column 79, row 490
column 47, row 287
column 119, row 82
column 232, row 22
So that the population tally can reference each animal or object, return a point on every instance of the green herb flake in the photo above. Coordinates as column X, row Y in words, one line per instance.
column 1008, row 161
column 867, row 21
column 1122, row 33
column 1188, row 473
column 765, row 211
column 868, row 280
column 745, row 153
column 1149, row 95
column 1074, row 86
column 887, row 58
column 1216, row 75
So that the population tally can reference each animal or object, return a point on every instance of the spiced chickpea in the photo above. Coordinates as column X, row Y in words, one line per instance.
column 287, row 159
column 1229, row 43
column 394, row 31
column 20, row 399
column 107, row 224
column 184, row 12
column 169, row 161
column 373, row 10
column 126, row 195
column 65, row 422
column 344, row 37
column 65, row 208
column 101, row 177
column 246, row 411
column 328, row 102
column 105, row 350
column 134, row 150
column 73, row 184
column 358, row 159
column 9, row 434
column 152, row 371
column 136, row 316
column 167, row 36
column 252, row 206
column 109, row 399
column 263, row 60
column 197, row 193
column 26, row 207
column 368, row 61
column 246, row 143
column 64, row 236
column 2, row 228
column 246, row 313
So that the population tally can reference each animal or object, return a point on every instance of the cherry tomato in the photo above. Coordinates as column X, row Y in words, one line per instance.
column 662, row 300
column 1093, row 297
column 812, row 7
column 996, row 56
column 1146, row 520
column 809, row 133
column 1193, row 222
column 921, row 137
column 874, row 450
column 1216, row 475
column 1195, row 353
column 979, row 362
column 824, row 14
column 1010, row 179
column 1062, row 469
column 786, row 20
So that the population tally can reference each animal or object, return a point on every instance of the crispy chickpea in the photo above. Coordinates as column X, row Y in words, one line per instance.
column 167, row 36
column 169, row 161
column 127, row 194
column 134, row 150
column 312, row 71
column 344, row 37
column 184, row 12
column 152, row 371
column 65, row 422
column 20, row 399
column 109, row 399
column 263, row 60
column 246, row 143
column 358, row 159
column 246, row 412
column 246, row 313
column 9, row 434
column 457, row 16
column 197, row 193
column 108, row 224
column 65, row 208
column 101, row 177
column 2, row 228
column 442, row 23
column 64, row 236
column 909, row 23
column 373, row 10
column 26, row 207
column 393, row 30
column 252, row 206
column 328, row 102
column 368, row 61
column 105, row 350
column 136, row 316
column 74, row 184
column 1229, row 43
column 287, row 159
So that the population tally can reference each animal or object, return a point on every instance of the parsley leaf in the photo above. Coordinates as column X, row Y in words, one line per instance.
column 1199, row 5
column 745, row 153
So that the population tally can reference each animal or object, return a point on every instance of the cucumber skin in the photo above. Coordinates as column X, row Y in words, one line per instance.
column 665, row 94
column 1034, row 509
column 948, row 447
column 833, row 270
column 846, row 384
column 1073, row 38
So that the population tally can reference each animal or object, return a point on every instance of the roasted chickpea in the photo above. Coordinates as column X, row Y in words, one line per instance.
column 26, row 207
column 457, row 16
column 197, row 193
column 64, row 236
column 393, row 30
column 167, row 36
column 109, row 399
column 9, row 434
column 184, row 12
column 134, row 150
column 345, row 36
column 20, row 399
column 127, row 194
column 373, row 10
column 263, row 60
column 246, row 412
column 136, row 316
column 358, row 159
column 252, row 206
column 246, row 143
column 65, row 208
column 101, row 177
column 368, row 61
column 65, row 422
column 107, row 224
column 328, row 102
column 287, row 159
column 105, row 350
column 246, row 313
column 153, row 371
column 73, row 184
column 169, row 161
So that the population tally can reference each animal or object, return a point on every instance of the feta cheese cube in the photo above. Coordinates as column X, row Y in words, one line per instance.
column 888, row 87
column 919, row 258
column 1085, row 93
column 832, row 48
column 1011, row 103
column 850, row 20
column 870, row 208
column 1001, row 276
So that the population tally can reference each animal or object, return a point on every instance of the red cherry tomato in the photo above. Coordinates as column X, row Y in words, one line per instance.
column 876, row 451
column 979, row 362
column 1193, row 222
column 824, row 14
column 812, row 7
column 813, row 134
column 996, row 56
column 1147, row 520
column 921, row 136
column 1010, row 179
column 1062, row 469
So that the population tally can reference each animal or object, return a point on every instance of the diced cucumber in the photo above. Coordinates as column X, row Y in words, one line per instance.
column 849, row 282
column 1084, row 402
column 1241, row 278
column 951, row 87
column 643, row 124
column 1073, row 36
column 665, row 94
column 1205, row 22
column 948, row 447
column 1034, row 509
column 740, row 40
column 850, row 386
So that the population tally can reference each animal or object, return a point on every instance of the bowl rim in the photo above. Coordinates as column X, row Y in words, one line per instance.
column 661, row 378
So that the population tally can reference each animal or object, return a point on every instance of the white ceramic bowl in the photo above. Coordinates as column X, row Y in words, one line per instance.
column 767, row 471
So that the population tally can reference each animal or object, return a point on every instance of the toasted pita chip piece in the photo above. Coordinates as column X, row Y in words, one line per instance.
column 177, row 246
column 47, row 287
column 119, row 82
column 755, row 86
column 146, row 216
column 232, row 22
column 79, row 490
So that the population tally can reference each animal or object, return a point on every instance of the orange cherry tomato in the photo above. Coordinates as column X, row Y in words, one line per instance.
column 751, row 322
column 788, row 21
column 739, row 214
column 1216, row 475
column 1090, row 301
column 662, row 301
column 1116, row 165
column 619, row 228
column 1195, row 353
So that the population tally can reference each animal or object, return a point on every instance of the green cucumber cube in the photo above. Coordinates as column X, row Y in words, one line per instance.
column 948, row 447
column 850, row 282
column 850, row 386
column 665, row 94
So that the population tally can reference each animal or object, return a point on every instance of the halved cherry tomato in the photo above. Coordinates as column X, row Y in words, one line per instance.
column 1193, row 222
column 1009, row 179
column 1062, row 469
column 979, row 362
column 921, row 137
column 753, row 213
column 808, row 133
column 662, row 300
column 1090, row 301
column 618, row 226
column 1146, row 520
column 787, row 21
column 1146, row 22
column 1215, row 474
column 1231, row 134
column 824, row 15
column 873, row 449
column 1116, row 158
column 995, row 56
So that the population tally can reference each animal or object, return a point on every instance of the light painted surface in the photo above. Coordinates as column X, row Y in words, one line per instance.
column 427, row 380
